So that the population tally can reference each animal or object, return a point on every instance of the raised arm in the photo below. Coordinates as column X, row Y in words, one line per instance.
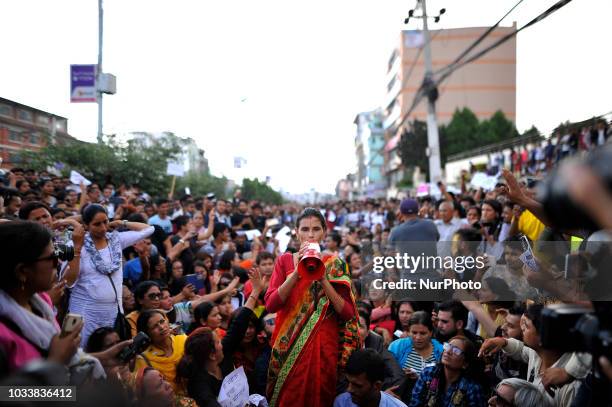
column 137, row 231
column 211, row 225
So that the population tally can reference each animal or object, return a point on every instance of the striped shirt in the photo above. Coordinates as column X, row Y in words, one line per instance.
column 417, row 363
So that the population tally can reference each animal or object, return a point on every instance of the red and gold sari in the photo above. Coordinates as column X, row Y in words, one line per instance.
column 311, row 344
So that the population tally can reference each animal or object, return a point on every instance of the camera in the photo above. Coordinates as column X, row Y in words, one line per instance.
column 575, row 328
column 140, row 342
column 61, row 248
column 63, row 251
column 559, row 207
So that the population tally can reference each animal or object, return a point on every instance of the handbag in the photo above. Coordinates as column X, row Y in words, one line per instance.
column 122, row 327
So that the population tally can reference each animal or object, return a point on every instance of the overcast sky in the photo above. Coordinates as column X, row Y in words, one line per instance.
column 305, row 68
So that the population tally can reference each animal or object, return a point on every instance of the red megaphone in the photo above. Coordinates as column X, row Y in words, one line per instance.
column 311, row 266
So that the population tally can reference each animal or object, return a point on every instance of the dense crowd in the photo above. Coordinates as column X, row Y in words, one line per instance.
column 167, row 297
column 540, row 157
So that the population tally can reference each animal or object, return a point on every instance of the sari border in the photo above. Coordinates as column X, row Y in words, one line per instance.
column 297, row 348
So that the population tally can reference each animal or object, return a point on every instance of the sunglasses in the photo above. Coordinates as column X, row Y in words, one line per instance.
column 454, row 349
column 154, row 296
column 53, row 257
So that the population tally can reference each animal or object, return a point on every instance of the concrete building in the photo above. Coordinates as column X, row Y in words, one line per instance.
column 192, row 158
column 25, row 128
column 369, row 143
column 484, row 86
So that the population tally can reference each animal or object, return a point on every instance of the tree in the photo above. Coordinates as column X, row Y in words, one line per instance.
column 201, row 183
column 412, row 147
column 501, row 128
column 533, row 131
column 253, row 189
column 139, row 161
column 462, row 131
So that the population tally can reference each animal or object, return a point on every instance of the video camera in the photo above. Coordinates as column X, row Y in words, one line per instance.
column 559, row 207
column 575, row 328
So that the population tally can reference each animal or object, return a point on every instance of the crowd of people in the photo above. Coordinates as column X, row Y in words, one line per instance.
column 214, row 284
column 539, row 157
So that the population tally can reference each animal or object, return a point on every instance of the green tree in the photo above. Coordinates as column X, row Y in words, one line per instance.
column 501, row 128
column 141, row 162
column 253, row 189
column 533, row 131
column 201, row 183
column 412, row 147
column 461, row 132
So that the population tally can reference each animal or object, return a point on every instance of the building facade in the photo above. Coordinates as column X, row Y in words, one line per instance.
column 484, row 86
column 369, row 143
column 25, row 128
column 192, row 157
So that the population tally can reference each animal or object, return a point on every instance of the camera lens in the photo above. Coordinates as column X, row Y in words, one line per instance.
column 64, row 252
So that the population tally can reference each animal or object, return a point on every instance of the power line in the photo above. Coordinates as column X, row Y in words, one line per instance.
column 427, row 88
column 478, row 40
column 497, row 43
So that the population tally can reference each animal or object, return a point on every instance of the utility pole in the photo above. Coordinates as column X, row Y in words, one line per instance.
column 433, row 139
column 99, row 69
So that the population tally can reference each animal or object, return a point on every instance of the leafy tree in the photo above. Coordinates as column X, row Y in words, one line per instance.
column 139, row 161
column 253, row 189
column 533, row 131
column 462, row 131
column 412, row 147
column 501, row 128
column 200, row 184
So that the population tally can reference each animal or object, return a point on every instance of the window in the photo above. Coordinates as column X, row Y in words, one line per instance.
column 14, row 158
column 43, row 120
column 34, row 138
column 6, row 110
column 25, row 116
column 60, row 125
column 14, row 135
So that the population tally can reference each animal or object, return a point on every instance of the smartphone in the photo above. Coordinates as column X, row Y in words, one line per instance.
column 527, row 257
column 196, row 280
column 575, row 266
column 70, row 323
column 140, row 342
column 525, row 244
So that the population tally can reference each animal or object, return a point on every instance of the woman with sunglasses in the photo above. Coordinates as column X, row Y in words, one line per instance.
column 148, row 296
column 28, row 329
column 449, row 383
column 97, row 293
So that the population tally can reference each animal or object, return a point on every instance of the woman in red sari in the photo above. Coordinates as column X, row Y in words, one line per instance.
column 316, row 324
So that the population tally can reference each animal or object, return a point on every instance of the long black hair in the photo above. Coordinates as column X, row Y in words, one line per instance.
column 21, row 242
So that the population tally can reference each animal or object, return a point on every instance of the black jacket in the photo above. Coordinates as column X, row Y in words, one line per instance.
column 203, row 387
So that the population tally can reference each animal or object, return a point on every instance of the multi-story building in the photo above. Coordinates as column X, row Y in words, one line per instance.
column 369, row 143
column 484, row 86
column 25, row 128
column 192, row 158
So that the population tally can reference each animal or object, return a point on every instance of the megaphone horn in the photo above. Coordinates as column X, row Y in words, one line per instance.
column 311, row 266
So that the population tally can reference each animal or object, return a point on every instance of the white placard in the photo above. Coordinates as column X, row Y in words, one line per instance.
column 234, row 389
column 284, row 237
column 251, row 234
column 77, row 178
column 176, row 169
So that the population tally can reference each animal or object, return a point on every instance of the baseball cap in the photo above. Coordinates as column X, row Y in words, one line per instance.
column 409, row 206
column 211, row 196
